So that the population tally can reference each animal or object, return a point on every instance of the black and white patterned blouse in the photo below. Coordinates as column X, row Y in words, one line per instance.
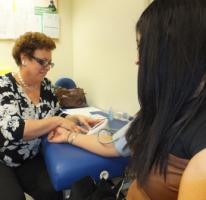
column 15, row 107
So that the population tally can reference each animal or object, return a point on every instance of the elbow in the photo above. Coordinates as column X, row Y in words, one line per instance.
column 109, row 151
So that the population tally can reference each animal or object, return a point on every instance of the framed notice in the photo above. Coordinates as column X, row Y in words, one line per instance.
column 20, row 16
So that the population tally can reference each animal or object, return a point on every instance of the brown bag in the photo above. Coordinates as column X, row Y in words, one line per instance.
column 71, row 98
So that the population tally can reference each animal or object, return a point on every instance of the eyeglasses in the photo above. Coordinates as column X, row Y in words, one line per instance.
column 43, row 62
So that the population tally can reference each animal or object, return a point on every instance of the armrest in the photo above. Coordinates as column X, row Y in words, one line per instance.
column 67, row 164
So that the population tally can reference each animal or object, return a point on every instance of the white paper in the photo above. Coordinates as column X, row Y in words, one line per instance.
column 33, row 23
column 18, row 17
column 44, row 3
column 51, row 25
column 81, row 111
column 24, row 23
column 24, row 7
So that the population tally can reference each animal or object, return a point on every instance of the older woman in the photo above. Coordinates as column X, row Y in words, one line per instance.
column 28, row 110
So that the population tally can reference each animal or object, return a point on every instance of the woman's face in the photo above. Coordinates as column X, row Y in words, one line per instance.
column 38, row 64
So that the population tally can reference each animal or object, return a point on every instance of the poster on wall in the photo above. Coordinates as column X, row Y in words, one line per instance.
column 48, row 6
column 20, row 16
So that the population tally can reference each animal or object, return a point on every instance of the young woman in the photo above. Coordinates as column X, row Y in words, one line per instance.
column 169, row 129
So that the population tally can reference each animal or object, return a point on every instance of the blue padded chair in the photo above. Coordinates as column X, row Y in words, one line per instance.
column 65, row 83
column 67, row 163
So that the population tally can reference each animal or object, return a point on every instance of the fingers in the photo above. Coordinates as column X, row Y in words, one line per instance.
column 81, row 130
column 93, row 122
column 58, row 135
column 85, row 124
column 73, row 128
column 69, row 125
column 50, row 135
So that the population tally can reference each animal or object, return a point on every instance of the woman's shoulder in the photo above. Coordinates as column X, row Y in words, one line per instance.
column 8, row 76
column 47, row 87
column 46, row 81
column 6, row 80
column 193, row 182
column 198, row 162
column 47, row 84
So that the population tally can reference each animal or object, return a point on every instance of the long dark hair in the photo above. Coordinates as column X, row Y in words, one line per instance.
column 172, row 64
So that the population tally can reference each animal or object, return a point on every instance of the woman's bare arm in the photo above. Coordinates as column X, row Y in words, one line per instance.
column 193, row 182
column 88, row 142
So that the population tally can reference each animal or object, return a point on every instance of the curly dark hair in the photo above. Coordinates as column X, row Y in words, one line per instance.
column 29, row 42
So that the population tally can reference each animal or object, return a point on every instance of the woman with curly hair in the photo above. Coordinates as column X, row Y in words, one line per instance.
column 28, row 110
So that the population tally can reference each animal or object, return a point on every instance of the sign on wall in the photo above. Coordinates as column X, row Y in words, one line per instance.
column 20, row 16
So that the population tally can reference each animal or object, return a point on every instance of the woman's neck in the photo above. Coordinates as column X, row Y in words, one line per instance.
column 26, row 81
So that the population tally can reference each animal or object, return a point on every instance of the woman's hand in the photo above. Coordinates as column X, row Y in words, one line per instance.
column 70, row 125
column 78, row 123
column 84, row 121
column 58, row 135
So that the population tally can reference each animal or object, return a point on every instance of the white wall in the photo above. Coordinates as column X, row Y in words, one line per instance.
column 63, row 54
column 105, row 51
column 6, row 59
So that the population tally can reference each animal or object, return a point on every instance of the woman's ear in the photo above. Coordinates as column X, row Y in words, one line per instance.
column 23, row 58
